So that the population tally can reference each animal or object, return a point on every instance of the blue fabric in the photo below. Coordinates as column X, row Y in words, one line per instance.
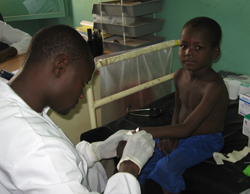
column 168, row 170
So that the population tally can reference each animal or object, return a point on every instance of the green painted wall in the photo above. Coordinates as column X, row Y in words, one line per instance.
column 233, row 16
column 78, row 10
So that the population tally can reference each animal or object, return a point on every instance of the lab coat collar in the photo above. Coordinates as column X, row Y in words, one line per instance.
column 8, row 93
column 11, row 95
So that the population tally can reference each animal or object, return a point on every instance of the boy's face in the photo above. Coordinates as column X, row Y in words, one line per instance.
column 195, row 51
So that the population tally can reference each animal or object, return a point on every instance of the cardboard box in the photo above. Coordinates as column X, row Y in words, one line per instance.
column 244, row 104
column 246, row 125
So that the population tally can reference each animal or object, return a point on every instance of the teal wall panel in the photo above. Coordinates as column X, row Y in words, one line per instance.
column 232, row 15
column 19, row 10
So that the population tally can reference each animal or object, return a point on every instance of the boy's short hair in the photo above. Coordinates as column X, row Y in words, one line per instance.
column 212, row 27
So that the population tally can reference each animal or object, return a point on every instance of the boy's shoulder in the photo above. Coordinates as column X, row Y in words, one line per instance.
column 213, row 77
column 179, row 72
column 210, row 75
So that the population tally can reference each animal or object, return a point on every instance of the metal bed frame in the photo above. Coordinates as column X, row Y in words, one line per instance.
column 94, row 104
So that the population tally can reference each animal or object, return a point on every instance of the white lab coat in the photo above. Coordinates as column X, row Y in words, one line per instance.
column 37, row 157
column 14, row 37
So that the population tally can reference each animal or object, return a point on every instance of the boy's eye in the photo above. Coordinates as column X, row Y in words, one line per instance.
column 183, row 46
column 198, row 48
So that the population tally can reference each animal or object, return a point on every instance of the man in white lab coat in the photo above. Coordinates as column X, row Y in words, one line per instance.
column 12, row 41
column 36, row 156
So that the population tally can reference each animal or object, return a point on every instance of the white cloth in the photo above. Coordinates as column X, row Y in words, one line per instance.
column 231, row 157
column 246, row 192
column 37, row 157
column 14, row 37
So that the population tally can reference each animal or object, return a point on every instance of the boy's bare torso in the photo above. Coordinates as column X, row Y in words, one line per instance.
column 193, row 90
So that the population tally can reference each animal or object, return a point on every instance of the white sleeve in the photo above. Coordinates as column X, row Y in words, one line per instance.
column 14, row 37
column 123, row 183
column 84, row 149
column 55, row 166
column 50, row 168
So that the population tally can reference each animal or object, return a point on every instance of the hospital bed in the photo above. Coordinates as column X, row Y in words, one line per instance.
column 204, row 178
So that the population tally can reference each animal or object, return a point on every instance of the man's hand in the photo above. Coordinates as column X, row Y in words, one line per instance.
column 122, row 144
column 139, row 148
column 166, row 146
column 107, row 149
column 9, row 52
column 129, row 167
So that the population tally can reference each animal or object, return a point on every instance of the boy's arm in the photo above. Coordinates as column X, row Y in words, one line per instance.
column 212, row 96
column 177, row 107
column 168, row 145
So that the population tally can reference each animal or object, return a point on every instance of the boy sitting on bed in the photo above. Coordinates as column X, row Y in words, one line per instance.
column 201, row 101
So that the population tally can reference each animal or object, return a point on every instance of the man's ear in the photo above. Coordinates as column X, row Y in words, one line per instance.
column 216, row 52
column 60, row 64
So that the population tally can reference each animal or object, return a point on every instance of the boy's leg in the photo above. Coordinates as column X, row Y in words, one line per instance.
column 190, row 151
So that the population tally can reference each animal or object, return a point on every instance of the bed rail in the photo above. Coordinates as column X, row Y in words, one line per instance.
column 94, row 104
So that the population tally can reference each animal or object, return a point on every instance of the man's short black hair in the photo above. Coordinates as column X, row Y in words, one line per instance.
column 54, row 40
column 210, row 25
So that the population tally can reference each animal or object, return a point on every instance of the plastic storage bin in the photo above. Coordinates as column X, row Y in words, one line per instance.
column 115, row 43
column 141, row 27
column 133, row 9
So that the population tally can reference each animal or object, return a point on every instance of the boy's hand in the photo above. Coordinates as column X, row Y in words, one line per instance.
column 120, row 148
column 166, row 146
